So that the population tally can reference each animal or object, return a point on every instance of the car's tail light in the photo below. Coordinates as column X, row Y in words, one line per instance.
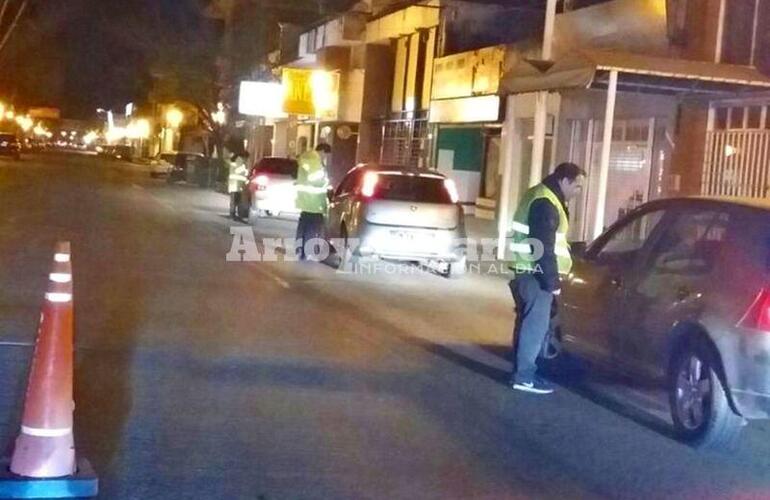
column 370, row 182
column 451, row 188
column 261, row 181
column 758, row 315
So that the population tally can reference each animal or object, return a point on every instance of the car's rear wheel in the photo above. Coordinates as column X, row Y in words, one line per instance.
column 456, row 270
column 700, row 409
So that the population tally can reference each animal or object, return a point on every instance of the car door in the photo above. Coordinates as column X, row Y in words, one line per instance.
column 339, row 204
column 593, row 294
column 672, row 284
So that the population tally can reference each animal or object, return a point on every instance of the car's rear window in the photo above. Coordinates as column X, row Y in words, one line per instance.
column 278, row 166
column 400, row 187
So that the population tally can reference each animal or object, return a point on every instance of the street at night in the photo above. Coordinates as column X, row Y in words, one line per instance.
column 384, row 249
column 201, row 378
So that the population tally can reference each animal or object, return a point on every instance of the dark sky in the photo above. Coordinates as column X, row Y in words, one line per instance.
column 82, row 54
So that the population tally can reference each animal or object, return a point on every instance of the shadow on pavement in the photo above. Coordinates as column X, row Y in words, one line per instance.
column 103, row 374
column 573, row 378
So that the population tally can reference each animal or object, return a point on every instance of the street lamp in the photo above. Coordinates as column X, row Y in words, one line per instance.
column 174, row 117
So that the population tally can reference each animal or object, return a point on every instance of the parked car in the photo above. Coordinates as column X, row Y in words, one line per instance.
column 399, row 214
column 10, row 146
column 271, row 189
column 122, row 152
column 678, row 292
column 161, row 165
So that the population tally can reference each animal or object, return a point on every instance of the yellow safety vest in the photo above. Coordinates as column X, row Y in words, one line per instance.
column 236, row 178
column 520, row 250
column 312, row 184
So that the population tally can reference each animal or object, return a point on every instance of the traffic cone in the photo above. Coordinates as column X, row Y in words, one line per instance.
column 43, row 464
column 45, row 447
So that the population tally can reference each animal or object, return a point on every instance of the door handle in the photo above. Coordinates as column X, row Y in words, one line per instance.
column 682, row 293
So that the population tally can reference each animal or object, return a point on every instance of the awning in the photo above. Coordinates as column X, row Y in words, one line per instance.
column 589, row 69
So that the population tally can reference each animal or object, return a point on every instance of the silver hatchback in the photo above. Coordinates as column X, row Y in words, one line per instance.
column 399, row 214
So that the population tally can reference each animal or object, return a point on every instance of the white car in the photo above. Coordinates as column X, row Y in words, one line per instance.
column 161, row 165
column 271, row 189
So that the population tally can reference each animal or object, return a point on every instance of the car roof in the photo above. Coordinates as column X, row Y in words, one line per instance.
column 401, row 170
column 756, row 203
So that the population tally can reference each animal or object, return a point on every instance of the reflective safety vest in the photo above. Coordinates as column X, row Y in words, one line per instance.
column 312, row 184
column 237, row 176
column 522, row 251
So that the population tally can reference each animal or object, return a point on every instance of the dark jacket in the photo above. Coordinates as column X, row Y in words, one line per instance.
column 543, row 224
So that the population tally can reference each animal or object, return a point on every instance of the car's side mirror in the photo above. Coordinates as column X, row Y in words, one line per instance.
column 578, row 249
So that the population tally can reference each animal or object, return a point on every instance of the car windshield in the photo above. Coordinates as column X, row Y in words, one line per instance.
column 409, row 187
column 277, row 166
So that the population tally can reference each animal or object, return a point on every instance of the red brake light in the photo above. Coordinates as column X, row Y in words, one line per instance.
column 370, row 182
column 758, row 315
column 261, row 181
column 451, row 188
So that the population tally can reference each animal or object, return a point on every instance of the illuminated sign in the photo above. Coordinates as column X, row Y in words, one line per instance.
column 261, row 99
column 44, row 113
column 311, row 93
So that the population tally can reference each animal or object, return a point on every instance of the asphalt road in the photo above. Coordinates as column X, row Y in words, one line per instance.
column 199, row 378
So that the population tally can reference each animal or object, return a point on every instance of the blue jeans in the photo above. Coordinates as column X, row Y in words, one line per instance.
column 533, row 318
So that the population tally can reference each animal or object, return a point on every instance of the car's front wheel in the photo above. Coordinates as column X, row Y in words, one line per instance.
column 700, row 409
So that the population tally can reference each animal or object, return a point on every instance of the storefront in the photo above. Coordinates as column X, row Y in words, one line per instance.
column 465, row 118
column 617, row 115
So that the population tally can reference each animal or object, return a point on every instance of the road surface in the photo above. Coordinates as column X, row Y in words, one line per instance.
column 199, row 378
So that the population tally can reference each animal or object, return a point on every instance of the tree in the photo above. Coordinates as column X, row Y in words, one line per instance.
column 15, row 10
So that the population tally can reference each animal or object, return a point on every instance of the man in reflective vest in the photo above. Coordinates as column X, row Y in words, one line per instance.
column 312, row 185
column 539, row 253
column 236, row 180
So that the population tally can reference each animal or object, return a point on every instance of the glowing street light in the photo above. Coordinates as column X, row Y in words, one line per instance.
column 25, row 122
column 90, row 137
column 10, row 115
column 174, row 117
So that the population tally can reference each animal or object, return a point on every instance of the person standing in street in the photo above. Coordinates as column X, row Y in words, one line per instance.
column 236, row 180
column 311, row 201
column 540, row 254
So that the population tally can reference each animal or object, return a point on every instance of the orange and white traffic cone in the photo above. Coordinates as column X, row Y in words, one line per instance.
column 45, row 447
column 43, row 464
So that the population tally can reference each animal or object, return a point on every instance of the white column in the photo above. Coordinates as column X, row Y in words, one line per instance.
column 506, row 159
column 604, row 166
column 538, row 139
column 550, row 18
column 541, row 100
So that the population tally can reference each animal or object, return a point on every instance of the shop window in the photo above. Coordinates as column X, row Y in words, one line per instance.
column 736, row 117
column 755, row 117
column 720, row 118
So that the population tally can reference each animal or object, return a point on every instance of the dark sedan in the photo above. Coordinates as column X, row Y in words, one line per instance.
column 679, row 292
column 10, row 146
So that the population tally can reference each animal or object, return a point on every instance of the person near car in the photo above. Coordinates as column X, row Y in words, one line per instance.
column 539, row 254
column 236, row 179
column 311, row 200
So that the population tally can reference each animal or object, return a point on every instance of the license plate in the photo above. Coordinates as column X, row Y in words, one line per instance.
column 411, row 236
